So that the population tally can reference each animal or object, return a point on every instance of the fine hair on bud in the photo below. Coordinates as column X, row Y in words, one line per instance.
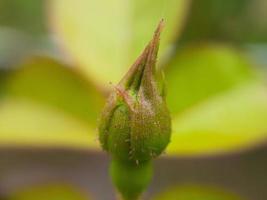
column 135, row 125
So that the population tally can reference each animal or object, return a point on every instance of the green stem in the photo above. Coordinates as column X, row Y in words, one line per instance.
column 131, row 179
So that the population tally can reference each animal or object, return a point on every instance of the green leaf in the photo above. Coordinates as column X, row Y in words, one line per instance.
column 26, row 123
column 217, row 101
column 46, row 104
column 105, row 36
column 195, row 193
column 233, row 120
column 199, row 72
column 48, row 192
column 46, row 81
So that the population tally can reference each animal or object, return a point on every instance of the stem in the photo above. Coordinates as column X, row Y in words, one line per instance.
column 130, row 179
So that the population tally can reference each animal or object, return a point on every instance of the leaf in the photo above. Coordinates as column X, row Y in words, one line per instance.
column 199, row 72
column 105, row 36
column 46, row 81
column 26, row 123
column 46, row 104
column 195, row 193
column 48, row 191
column 233, row 120
column 217, row 101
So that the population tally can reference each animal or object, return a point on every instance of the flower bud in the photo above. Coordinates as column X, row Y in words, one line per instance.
column 135, row 125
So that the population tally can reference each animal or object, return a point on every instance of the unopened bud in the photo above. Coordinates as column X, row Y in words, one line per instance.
column 135, row 125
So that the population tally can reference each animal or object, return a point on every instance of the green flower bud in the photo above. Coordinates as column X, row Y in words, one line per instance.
column 135, row 125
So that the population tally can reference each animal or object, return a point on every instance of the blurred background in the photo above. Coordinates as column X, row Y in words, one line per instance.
column 59, row 60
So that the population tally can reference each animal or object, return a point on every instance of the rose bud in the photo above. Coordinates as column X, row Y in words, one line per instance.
column 135, row 125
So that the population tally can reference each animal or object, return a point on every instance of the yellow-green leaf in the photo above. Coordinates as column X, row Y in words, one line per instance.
column 196, row 193
column 233, row 120
column 105, row 36
column 199, row 72
column 44, row 80
column 26, row 123
column 49, row 192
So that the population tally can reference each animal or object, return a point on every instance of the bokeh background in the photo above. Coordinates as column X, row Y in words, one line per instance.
column 60, row 58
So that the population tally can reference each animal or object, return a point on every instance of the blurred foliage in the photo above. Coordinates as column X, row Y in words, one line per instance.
column 115, row 26
column 195, row 193
column 46, row 81
column 212, row 91
column 50, row 104
column 208, row 113
column 239, row 21
column 227, row 122
column 25, row 123
column 202, row 71
column 23, row 31
column 48, row 192
column 217, row 99
column 210, row 87
column 14, row 45
column 24, row 15
column 3, row 76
